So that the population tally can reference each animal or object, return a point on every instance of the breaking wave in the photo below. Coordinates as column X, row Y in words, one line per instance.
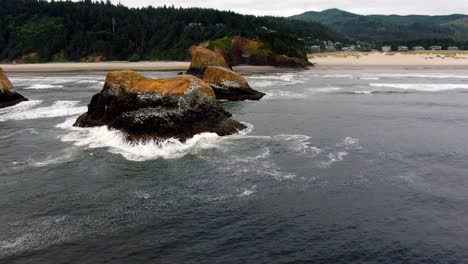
column 43, row 86
column 421, row 86
column 115, row 141
column 26, row 110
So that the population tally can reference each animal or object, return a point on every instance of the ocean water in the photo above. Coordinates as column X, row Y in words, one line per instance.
column 338, row 165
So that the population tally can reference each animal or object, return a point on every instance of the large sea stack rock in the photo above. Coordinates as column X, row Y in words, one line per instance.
column 230, row 85
column 8, row 97
column 203, row 58
column 144, row 108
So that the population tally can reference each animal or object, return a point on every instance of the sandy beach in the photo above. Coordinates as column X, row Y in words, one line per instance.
column 118, row 65
column 409, row 59
column 419, row 58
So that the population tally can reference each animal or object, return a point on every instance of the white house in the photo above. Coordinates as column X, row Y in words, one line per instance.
column 386, row 48
column 403, row 48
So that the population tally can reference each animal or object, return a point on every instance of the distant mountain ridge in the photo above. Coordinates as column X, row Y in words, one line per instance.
column 390, row 27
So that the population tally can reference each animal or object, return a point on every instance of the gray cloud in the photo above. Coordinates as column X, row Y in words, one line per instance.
column 292, row 7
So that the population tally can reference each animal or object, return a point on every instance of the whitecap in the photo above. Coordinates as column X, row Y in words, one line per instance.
column 345, row 76
column 281, row 94
column 326, row 89
column 43, row 86
column 248, row 192
column 88, row 81
column 57, row 109
column 421, row 86
column 298, row 143
column 369, row 78
column 333, row 157
column 115, row 141
column 363, row 92
column 21, row 106
column 425, row 76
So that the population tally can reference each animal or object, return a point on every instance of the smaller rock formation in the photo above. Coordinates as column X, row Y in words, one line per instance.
column 213, row 68
column 8, row 97
column 202, row 58
column 178, row 107
column 230, row 85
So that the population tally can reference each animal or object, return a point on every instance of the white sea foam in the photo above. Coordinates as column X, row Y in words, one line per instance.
column 363, row 92
column 275, row 80
column 115, row 141
column 326, row 89
column 333, row 157
column 25, row 111
column 248, row 192
column 425, row 76
column 281, row 94
column 298, row 143
column 43, row 86
column 369, row 78
column 421, row 86
column 30, row 131
column 88, row 81
column 20, row 107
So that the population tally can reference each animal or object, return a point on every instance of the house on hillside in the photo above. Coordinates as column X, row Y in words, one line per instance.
column 313, row 49
column 386, row 48
column 418, row 48
column 453, row 48
column 403, row 48
column 435, row 47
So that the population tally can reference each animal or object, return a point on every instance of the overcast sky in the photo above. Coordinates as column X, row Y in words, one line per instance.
column 292, row 7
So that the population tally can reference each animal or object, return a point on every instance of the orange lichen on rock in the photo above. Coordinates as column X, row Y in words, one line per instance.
column 139, row 83
column 202, row 58
column 224, row 77
column 5, row 84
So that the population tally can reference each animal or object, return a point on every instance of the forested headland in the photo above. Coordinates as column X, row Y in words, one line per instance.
column 73, row 31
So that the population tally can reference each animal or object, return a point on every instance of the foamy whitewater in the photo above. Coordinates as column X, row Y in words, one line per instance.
column 338, row 165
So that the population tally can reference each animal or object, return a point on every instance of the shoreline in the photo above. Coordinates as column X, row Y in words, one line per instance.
column 59, row 67
column 323, row 60
column 432, row 59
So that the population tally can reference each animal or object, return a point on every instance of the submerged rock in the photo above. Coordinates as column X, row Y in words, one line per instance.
column 230, row 85
column 203, row 58
column 144, row 108
column 8, row 97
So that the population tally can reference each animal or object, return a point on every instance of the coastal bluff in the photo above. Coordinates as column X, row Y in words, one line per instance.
column 8, row 97
column 244, row 51
column 144, row 108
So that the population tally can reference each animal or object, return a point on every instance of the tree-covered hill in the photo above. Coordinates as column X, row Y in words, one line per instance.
column 391, row 27
column 65, row 30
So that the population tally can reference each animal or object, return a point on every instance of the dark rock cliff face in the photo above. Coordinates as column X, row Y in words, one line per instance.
column 179, row 107
column 8, row 97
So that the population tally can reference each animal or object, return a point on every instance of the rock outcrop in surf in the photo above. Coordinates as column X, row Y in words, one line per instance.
column 230, row 85
column 8, row 97
column 203, row 58
column 178, row 107
column 214, row 70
